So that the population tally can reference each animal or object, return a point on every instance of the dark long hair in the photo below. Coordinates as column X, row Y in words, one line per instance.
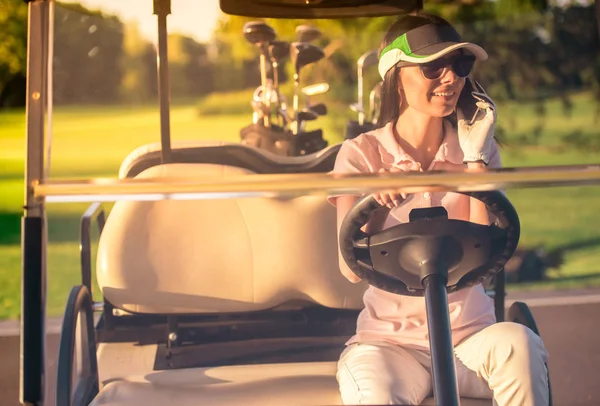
column 390, row 98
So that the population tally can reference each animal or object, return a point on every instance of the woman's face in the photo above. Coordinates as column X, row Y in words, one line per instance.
column 434, row 97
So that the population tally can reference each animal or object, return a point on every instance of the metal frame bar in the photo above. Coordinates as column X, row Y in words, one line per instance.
column 216, row 327
column 49, row 89
column 79, row 305
column 500, row 295
column 33, row 284
column 95, row 211
column 597, row 4
column 162, row 8
column 318, row 184
column 32, row 310
column 445, row 384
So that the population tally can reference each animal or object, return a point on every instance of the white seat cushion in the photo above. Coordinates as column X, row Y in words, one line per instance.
column 274, row 384
column 211, row 256
column 278, row 384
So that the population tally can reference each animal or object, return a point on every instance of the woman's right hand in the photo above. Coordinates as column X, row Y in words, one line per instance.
column 476, row 133
column 390, row 198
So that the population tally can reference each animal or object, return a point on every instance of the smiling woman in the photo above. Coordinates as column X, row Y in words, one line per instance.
column 429, row 45
column 425, row 64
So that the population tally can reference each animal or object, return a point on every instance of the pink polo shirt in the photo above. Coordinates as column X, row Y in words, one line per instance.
column 402, row 319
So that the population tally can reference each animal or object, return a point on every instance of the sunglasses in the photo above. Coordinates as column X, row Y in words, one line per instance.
column 461, row 65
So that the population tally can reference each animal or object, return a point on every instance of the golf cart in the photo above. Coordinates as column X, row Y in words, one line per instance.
column 207, row 297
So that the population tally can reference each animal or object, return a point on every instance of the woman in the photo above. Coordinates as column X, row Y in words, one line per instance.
column 432, row 117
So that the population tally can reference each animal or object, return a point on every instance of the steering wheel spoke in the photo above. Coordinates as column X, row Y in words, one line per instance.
column 366, row 264
column 361, row 243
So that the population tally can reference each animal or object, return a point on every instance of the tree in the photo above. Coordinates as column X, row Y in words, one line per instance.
column 87, row 54
column 13, row 52
column 190, row 71
column 138, row 64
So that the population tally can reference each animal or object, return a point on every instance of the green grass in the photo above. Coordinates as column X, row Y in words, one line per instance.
column 87, row 142
column 92, row 142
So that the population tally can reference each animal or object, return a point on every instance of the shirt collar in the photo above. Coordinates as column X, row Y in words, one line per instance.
column 449, row 150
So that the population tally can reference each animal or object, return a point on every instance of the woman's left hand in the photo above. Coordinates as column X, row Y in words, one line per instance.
column 450, row 167
column 390, row 198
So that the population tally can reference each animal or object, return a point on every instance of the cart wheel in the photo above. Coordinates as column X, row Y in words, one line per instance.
column 519, row 313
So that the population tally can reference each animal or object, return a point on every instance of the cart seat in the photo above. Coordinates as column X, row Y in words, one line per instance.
column 218, row 256
column 215, row 256
column 260, row 385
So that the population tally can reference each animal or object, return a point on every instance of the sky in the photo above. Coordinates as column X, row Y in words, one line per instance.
column 195, row 18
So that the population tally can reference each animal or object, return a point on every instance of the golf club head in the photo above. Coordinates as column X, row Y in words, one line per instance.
column 367, row 59
column 317, row 88
column 303, row 54
column 357, row 108
column 257, row 32
column 307, row 33
column 279, row 50
column 259, row 94
column 257, row 111
column 306, row 115
column 320, row 109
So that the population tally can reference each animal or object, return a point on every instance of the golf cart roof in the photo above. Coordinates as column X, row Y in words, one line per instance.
column 318, row 8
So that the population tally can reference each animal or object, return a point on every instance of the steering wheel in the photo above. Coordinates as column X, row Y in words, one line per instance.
column 397, row 259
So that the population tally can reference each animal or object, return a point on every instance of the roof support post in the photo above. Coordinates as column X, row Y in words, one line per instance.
column 162, row 8
column 33, row 226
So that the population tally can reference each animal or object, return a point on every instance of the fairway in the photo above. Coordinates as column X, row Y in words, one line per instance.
column 92, row 142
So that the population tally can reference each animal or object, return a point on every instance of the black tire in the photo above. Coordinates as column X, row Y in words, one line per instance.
column 519, row 313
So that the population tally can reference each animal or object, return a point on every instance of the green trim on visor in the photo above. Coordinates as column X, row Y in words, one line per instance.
column 401, row 43
column 430, row 41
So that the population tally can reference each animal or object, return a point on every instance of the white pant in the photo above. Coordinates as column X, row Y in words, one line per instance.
column 505, row 361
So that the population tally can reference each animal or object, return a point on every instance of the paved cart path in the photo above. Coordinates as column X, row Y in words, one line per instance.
column 569, row 323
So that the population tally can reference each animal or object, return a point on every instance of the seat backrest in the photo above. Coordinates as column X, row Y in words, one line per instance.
column 230, row 255
column 229, row 153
